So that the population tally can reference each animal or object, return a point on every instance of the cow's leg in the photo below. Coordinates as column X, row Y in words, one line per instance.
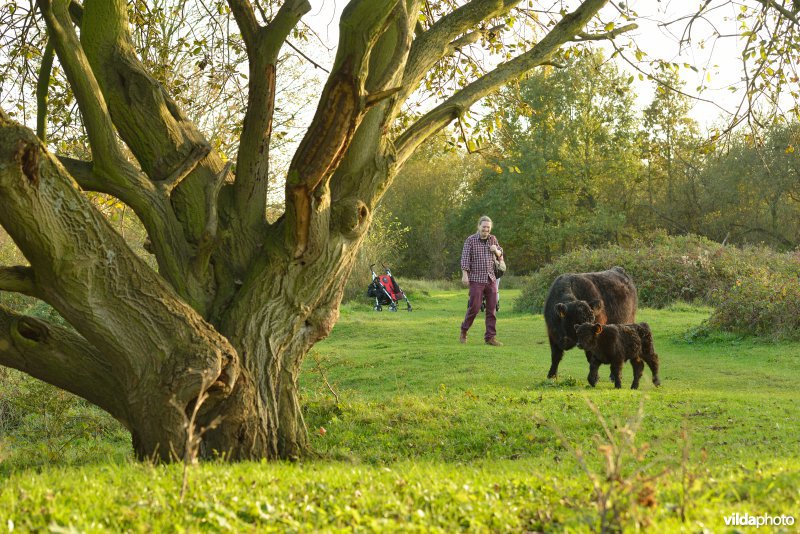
column 616, row 372
column 652, row 363
column 556, row 353
column 638, row 369
column 594, row 365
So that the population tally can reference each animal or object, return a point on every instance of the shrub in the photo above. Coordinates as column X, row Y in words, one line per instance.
column 767, row 303
column 755, row 289
column 666, row 270
column 511, row 281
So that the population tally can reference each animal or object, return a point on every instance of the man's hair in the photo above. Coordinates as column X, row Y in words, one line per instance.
column 484, row 219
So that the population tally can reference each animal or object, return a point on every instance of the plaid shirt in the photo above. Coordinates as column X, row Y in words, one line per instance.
column 477, row 259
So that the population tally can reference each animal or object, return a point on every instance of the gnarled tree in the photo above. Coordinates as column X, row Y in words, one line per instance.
column 236, row 302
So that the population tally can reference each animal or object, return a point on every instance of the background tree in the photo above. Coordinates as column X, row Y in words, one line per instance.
column 427, row 195
column 568, row 164
column 236, row 301
column 751, row 190
column 673, row 156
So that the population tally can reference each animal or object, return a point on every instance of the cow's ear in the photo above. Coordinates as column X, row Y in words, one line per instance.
column 596, row 305
column 598, row 328
column 561, row 309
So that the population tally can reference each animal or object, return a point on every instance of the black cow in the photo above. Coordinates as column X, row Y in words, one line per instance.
column 615, row 344
column 604, row 297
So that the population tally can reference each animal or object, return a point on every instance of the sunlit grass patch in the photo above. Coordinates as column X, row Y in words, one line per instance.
column 426, row 434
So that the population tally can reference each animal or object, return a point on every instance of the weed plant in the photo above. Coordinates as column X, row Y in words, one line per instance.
column 42, row 425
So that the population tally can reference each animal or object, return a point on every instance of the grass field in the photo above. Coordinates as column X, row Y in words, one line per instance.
column 431, row 435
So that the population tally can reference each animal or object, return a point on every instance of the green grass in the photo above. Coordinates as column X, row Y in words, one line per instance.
column 430, row 435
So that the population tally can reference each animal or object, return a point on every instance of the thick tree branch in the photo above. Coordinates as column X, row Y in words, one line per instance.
column 430, row 123
column 18, row 279
column 339, row 112
column 119, row 177
column 198, row 153
column 167, row 242
column 246, row 20
column 352, row 187
column 252, row 169
column 209, row 239
column 62, row 358
column 90, row 178
column 107, row 154
column 284, row 22
column 437, row 42
column 151, row 124
column 42, row 86
column 85, row 174
column 161, row 138
column 383, row 70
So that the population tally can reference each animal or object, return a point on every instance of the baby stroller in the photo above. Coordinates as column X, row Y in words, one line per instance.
column 384, row 290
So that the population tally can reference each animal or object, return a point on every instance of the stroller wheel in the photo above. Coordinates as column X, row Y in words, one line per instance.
column 393, row 308
column 409, row 307
column 378, row 308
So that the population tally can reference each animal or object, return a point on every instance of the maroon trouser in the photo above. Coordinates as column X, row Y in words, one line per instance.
column 477, row 290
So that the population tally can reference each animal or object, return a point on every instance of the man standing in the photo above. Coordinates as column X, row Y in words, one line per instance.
column 477, row 271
